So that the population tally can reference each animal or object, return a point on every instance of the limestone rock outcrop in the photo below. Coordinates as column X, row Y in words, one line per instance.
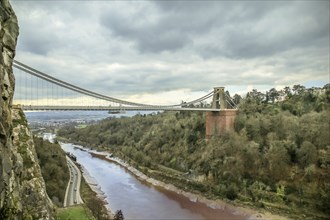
column 34, row 199
column 22, row 188
column 10, row 201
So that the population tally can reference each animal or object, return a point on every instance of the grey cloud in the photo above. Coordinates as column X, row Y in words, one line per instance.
column 48, row 26
column 163, row 41
column 152, row 37
column 295, row 26
column 41, row 43
column 148, row 80
column 246, row 29
column 34, row 46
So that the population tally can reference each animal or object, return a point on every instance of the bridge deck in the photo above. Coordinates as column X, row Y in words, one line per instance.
column 108, row 108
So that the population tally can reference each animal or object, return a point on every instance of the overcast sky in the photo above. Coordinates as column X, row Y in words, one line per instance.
column 167, row 51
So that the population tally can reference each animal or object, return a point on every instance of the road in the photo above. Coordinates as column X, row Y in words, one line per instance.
column 72, row 194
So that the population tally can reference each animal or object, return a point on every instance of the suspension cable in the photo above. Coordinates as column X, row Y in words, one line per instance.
column 61, row 83
column 233, row 104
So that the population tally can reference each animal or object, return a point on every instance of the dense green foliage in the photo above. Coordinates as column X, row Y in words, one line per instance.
column 54, row 169
column 277, row 157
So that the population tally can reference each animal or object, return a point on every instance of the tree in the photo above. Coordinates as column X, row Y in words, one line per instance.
column 287, row 91
column 119, row 215
column 256, row 96
column 273, row 95
column 298, row 89
column 278, row 161
column 307, row 154
column 237, row 99
column 251, row 159
column 253, row 129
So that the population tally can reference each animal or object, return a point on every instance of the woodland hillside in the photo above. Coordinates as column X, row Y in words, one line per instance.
column 277, row 157
column 54, row 169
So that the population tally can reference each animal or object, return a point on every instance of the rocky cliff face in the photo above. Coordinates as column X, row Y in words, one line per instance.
column 22, row 189
column 10, row 202
column 34, row 199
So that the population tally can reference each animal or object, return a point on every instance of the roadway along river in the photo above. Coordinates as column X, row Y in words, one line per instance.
column 139, row 200
column 72, row 193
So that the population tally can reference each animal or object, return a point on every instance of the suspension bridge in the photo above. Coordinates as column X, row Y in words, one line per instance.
column 35, row 90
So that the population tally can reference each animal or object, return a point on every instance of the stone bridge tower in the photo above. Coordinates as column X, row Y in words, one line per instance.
column 218, row 122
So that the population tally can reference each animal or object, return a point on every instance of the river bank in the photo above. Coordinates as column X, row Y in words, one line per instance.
column 94, row 199
column 248, row 212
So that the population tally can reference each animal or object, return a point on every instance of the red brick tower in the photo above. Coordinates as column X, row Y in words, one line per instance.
column 218, row 122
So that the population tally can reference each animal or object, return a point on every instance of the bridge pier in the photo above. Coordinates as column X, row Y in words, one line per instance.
column 218, row 122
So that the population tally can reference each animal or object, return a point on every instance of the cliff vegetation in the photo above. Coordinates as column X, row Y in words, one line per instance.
column 54, row 169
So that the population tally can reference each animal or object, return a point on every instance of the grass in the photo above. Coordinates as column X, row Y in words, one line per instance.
column 78, row 212
column 80, row 126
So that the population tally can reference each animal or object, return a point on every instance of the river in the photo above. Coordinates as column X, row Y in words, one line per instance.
column 139, row 199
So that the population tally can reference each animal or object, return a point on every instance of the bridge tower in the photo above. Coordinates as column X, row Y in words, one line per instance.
column 218, row 122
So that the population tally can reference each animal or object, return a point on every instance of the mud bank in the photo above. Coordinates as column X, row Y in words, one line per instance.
column 97, row 189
